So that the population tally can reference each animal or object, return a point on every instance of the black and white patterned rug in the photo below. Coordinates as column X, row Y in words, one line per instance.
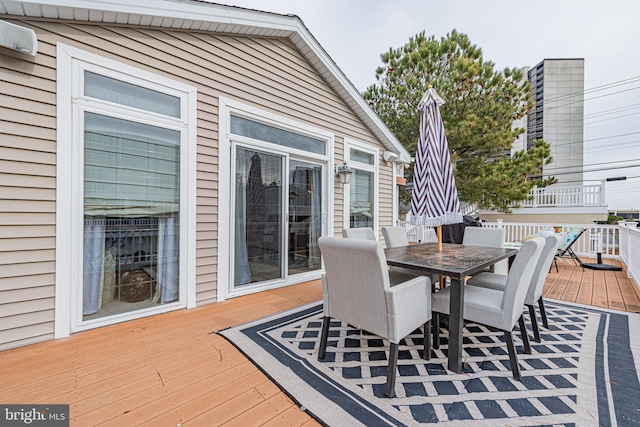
column 584, row 373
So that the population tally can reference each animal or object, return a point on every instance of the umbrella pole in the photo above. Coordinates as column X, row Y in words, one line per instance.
column 439, row 233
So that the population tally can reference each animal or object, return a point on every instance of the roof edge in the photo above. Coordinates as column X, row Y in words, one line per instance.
column 239, row 20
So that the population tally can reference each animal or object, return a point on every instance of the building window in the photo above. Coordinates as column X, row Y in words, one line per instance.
column 263, row 132
column 131, row 215
column 363, row 189
column 130, row 157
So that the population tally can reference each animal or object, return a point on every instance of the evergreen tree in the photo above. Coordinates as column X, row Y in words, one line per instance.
column 481, row 103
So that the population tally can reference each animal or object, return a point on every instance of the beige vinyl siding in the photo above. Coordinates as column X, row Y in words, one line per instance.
column 269, row 74
column 385, row 193
column 27, row 200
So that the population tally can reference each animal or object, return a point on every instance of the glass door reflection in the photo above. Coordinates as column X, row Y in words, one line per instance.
column 258, row 217
column 305, row 216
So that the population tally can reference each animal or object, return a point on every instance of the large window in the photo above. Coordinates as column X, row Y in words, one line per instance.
column 131, row 215
column 130, row 157
column 363, row 187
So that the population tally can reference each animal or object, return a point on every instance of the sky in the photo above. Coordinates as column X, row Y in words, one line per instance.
column 511, row 33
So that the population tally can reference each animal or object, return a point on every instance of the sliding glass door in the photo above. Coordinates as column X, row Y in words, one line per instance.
column 277, row 204
column 305, row 216
column 259, row 222
column 277, row 217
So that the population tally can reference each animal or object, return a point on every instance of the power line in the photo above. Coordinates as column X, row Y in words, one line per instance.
column 597, row 139
column 594, row 164
column 616, row 183
column 611, row 118
column 596, row 88
column 590, row 99
column 612, row 110
column 569, row 171
column 585, row 122
column 594, row 170
column 619, row 146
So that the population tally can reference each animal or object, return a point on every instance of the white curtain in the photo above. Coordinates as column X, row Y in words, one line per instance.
column 315, row 225
column 242, row 271
column 168, row 279
column 93, row 262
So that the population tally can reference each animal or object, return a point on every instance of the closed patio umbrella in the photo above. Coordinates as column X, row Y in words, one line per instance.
column 256, row 208
column 434, row 200
column 256, row 200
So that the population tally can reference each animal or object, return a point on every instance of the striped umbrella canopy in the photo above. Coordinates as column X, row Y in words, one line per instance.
column 256, row 194
column 434, row 200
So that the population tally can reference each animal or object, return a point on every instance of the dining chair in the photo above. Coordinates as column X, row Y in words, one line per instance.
column 534, row 293
column 497, row 309
column 395, row 236
column 365, row 233
column 357, row 289
column 490, row 237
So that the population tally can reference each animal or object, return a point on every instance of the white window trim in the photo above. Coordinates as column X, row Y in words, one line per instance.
column 397, row 169
column 375, row 151
column 68, row 316
column 226, row 107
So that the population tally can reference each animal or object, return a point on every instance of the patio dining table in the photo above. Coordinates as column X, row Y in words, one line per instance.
column 457, row 262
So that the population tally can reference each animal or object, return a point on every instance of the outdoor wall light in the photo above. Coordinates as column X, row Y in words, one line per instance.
column 18, row 38
column 344, row 172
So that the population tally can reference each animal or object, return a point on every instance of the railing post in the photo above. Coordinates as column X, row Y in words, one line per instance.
column 535, row 196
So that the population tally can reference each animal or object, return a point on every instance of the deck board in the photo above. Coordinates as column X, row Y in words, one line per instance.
column 172, row 368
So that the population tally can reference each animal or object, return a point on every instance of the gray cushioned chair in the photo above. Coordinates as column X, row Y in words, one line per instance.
column 365, row 233
column 357, row 289
column 395, row 236
column 484, row 236
column 534, row 293
column 498, row 309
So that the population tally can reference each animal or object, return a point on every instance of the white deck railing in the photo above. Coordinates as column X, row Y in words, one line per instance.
column 630, row 251
column 613, row 241
column 566, row 196
column 586, row 245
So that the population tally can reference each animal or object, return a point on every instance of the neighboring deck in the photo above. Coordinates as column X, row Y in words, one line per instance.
column 172, row 369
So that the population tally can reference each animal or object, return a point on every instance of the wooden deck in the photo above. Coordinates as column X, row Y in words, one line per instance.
column 172, row 369
column 608, row 289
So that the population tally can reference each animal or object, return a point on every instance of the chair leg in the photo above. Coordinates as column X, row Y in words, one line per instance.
column 575, row 258
column 555, row 260
column 391, row 371
column 543, row 313
column 513, row 358
column 534, row 323
column 427, row 341
column 435, row 327
column 524, row 335
column 323, row 337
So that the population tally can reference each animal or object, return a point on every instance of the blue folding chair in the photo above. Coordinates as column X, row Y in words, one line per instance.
column 564, row 249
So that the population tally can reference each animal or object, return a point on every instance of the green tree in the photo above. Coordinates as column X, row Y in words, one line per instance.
column 613, row 219
column 481, row 104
